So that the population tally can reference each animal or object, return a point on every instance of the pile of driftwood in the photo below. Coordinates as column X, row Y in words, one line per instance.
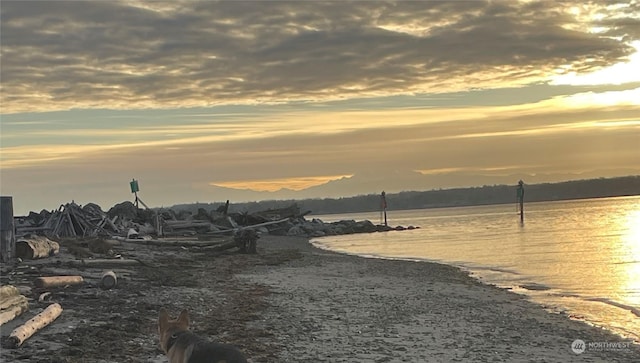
column 219, row 221
column 126, row 222
column 75, row 221
column 69, row 220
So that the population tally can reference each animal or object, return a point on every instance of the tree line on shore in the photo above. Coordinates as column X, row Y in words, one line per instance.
column 494, row 194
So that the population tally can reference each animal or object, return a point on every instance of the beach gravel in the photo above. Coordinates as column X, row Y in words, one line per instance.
column 293, row 302
column 331, row 307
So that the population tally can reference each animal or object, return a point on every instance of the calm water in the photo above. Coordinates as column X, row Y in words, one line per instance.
column 581, row 257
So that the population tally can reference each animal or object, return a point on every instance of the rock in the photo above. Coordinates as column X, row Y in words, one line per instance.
column 318, row 234
column 296, row 231
column 123, row 210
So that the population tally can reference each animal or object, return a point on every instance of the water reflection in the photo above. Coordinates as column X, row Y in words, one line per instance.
column 586, row 252
column 630, row 252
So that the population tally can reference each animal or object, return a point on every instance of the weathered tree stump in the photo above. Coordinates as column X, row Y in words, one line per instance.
column 35, row 247
column 247, row 241
column 108, row 280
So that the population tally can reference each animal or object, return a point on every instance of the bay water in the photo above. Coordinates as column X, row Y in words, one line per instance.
column 579, row 257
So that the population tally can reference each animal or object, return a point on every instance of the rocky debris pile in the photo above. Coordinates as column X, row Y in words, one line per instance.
column 219, row 221
column 69, row 220
column 318, row 228
column 75, row 221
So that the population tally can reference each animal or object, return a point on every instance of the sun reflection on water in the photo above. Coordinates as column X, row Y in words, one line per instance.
column 630, row 244
column 585, row 253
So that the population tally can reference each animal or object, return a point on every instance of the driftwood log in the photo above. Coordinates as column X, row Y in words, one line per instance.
column 12, row 304
column 14, row 311
column 25, row 331
column 245, row 240
column 223, row 246
column 35, row 247
column 188, row 224
column 106, row 261
column 108, row 280
column 56, row 281
column 185, row 243
column 7, row 291
column 253, row 226
column 11, row 301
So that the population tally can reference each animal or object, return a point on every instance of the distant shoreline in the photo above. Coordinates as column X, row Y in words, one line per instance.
column 446, row 198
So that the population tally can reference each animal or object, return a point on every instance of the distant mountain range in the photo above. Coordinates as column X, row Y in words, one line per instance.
column 488, row 194
column 396, row 181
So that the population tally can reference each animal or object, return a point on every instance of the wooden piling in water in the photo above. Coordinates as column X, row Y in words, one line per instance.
column 520, row 195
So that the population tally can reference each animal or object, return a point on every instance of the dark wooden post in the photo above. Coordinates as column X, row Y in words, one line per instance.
column 383, row 206
column 7, row 230
column 520, row 195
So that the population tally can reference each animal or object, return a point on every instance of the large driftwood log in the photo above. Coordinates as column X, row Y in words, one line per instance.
column 15, row 306
column 245, row 240
column 35, row 247
column 55, row 281
column 25, row 331
column 187, row 224
column 106, row 261
column 185, row 243
column 224, row 246
column 264, row 224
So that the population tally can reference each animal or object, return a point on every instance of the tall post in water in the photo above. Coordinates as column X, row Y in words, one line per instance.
column 383, row 206
column 520, row 195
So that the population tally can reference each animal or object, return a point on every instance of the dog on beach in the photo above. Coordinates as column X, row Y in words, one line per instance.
column 182, row 346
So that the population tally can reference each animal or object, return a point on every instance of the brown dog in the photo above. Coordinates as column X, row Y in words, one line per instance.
column 182, row 346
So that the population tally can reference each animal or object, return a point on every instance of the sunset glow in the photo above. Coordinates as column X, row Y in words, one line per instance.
column 619, row 73
column 277, row 184
column 229, row 107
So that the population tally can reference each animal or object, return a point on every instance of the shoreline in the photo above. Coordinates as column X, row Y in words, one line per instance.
column 530, row 290
column 337, row 307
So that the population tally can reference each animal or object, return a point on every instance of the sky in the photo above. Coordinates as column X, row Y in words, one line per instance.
column 252, row 100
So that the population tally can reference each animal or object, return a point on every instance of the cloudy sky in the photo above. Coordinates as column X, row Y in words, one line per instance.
column 208, row 101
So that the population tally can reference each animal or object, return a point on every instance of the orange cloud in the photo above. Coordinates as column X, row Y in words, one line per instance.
column 272, row 185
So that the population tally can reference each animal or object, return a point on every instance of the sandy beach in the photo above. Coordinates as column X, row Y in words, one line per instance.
column 336, row 308
column 293, row 302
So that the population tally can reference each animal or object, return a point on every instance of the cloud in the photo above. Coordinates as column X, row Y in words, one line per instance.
column 283, row 147
column 271, row 185
column 122, row 55
column 620, row 73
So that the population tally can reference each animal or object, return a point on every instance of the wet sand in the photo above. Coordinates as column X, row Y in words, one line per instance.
column 329, row 307
column 292, row 303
